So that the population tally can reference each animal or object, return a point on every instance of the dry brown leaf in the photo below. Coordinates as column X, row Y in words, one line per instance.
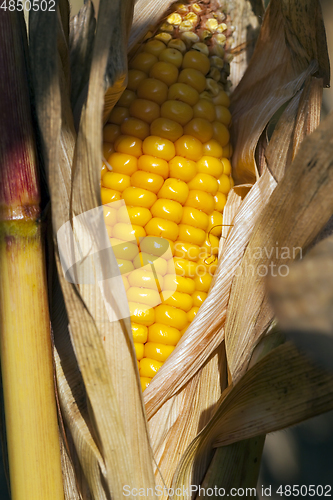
column 298, row 209
column 271, row 81
column 264, row 400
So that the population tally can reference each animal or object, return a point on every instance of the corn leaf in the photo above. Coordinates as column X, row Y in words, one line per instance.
column 272, row 81
column 264, row 400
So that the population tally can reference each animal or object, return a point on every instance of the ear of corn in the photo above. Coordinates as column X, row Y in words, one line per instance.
column 167, row 156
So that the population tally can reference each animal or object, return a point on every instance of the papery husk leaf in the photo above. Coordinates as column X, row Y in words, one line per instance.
column 81, row 37
column 111, row 417
column 303, row 303
column 206, row 332
column 236, row 465
column 271, row 81
column 71, row 491
column 246, row 17
column 297, row 211
column 146, row 17
column 264, row 400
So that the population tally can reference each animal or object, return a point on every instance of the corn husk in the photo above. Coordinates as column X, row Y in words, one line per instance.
column 196, row 402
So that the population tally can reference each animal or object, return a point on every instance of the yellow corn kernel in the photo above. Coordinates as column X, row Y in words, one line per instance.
column 207, row 263
column 224, row 184
column 163, row 37
column 144, row 259
column 142, row 62
column 174, row 189
column 215, row 223
column 108, row 149
column 145, row 381
column 198, row 298
column 183, row 284
column 192, row 314
column 110, row 133
column 159, row 352
column 223, row 115
column 174, row 18
column 143, row 296
column 123, row 163
column 128, row 145
column 138, row 216
column 140, row 333
column 196, row 60
column 118, row 115
column 185, row 250
column 141, row 313
column 222, row 99
column 163, row 334
column 164, row 71
column 204, row 182
column 150, row 163
column 177, row 299
column 213, row 149
column 116, row 181
column 184, row 93
column 167, row 209
column 126, row 98
column 124, row 249
column 192, row 77
column 204, row 108
column 227, row 151
column 104, row 169
column 172, row 56
column 166, row 128
column 128, row 232
column 139, row 350
column 125, row 266
column 170, row 316
column 149, row 367
column 199, row 128
column 202, row 282
column 211, row 245
column 200, row 200
column 154, row 47
column 153, row 89
column 145, row 110
column 135, row 127
column 153, row 245
column 109, row 195
column 162, row 228
column 181, row 168
column 110, row 215
column 211, row 166
column 138, row 197
column 159, row 147
column 177, row 111
column 189, row 147
column 146, row 180
column 177, row 43
column 194, row 217
column 190, row 234
column 226, row 166
column 135, row 77
column 185, row 268
column 220, row 201
column 144, row 278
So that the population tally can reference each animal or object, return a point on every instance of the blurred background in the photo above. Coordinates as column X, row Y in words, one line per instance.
column 302, row 454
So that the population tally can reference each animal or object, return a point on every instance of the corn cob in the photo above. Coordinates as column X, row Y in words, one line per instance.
column 167, row 155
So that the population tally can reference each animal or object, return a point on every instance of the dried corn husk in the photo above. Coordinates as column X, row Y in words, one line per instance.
column 95, row 364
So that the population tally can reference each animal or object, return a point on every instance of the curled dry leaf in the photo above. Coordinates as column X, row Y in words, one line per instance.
column 272, row 81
